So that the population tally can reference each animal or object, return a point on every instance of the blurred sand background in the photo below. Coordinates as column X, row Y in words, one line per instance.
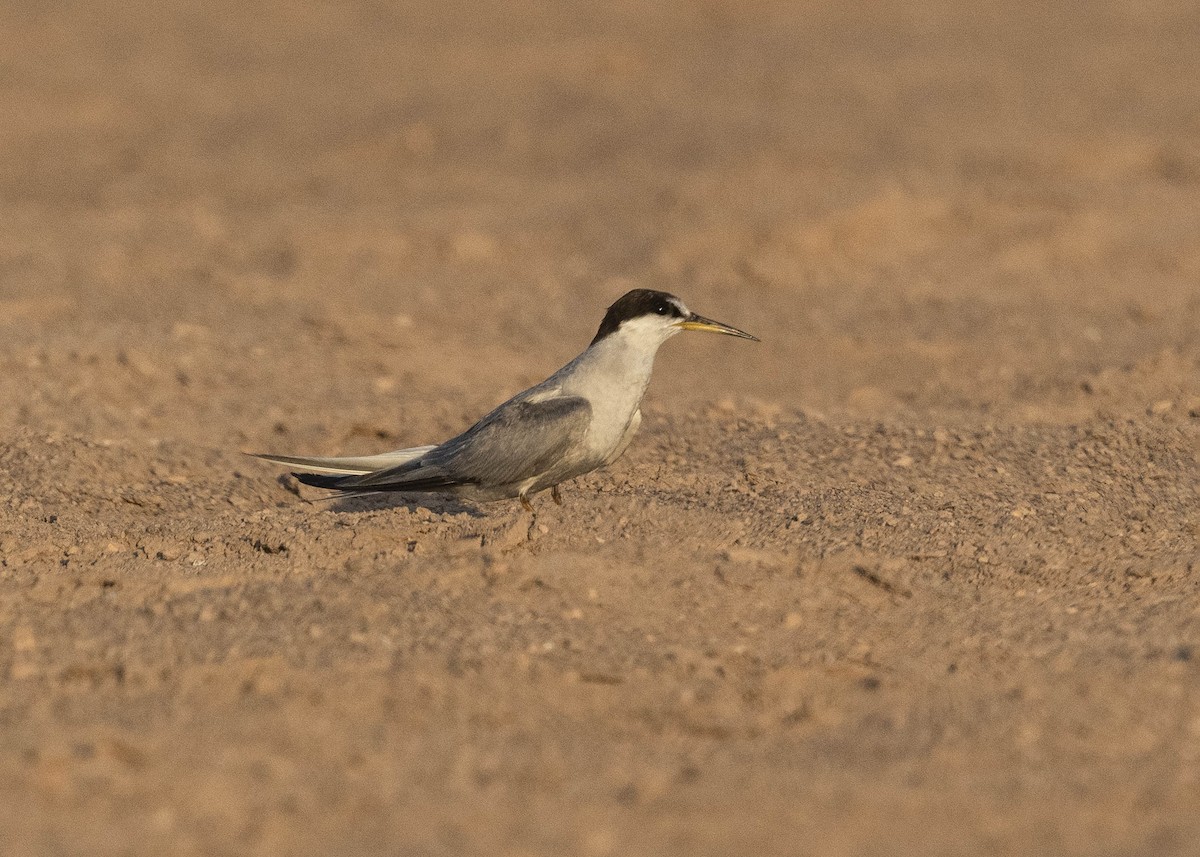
column 917, row 575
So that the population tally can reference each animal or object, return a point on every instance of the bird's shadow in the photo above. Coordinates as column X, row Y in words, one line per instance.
column 435, row 504
column 352, row 503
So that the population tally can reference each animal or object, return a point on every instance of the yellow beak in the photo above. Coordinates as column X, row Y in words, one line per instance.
column 699, row 322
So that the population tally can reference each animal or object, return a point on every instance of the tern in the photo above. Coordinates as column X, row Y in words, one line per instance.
column 581, row 418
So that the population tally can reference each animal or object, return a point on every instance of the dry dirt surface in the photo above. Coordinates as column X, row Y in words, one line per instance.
column 916, row 575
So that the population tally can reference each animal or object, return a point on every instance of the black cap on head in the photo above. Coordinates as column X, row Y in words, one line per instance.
column 637, row 303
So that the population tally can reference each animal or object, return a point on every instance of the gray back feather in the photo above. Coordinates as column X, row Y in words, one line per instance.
column 517, row 441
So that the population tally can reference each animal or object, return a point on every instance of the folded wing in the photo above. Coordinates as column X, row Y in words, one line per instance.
column 518, row 441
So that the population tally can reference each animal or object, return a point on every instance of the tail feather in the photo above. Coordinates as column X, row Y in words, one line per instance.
column 350, row 465
column 368, row 474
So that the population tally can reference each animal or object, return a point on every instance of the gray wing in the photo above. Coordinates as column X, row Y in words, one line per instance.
column 517, row 441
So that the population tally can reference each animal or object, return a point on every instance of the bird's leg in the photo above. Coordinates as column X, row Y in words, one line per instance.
column 556, row 496
column 531, row 533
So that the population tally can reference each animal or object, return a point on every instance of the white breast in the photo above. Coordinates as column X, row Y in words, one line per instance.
column 612, row 375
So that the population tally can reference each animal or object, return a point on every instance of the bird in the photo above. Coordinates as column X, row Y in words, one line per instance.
column 581, row 418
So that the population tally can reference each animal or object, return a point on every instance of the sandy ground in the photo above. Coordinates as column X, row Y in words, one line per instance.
column 916, row 575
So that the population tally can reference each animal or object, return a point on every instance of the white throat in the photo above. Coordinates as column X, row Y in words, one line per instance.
column 613, row 374
column 624, row 358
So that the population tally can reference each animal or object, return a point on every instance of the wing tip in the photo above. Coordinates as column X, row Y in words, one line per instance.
column 320, row 480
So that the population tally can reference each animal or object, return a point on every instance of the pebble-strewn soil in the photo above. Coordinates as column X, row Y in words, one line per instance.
column 919, row 574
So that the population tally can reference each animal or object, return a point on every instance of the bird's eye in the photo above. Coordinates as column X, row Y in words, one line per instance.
column 662, row 309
